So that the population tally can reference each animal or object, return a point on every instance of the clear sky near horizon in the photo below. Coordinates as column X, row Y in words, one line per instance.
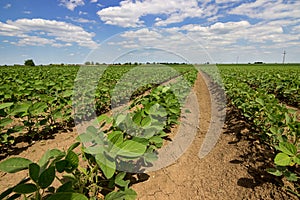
column 221, row 31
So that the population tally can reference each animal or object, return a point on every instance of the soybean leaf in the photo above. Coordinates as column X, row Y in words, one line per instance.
column 115, row 195
column 131, row 148
column 116, row 138
column 287, row 148
column 146, row 121
column 6, row 105
column 107, row 165
column 260, row 101
column 47, row 177
column 66, row 187
column 130, row 194
column 20, row 108
column 61, row 165
column 5, row 122
column 120, row 118
column 119, row 180
column 73, row 161
column 13, row 165
column 73, row 146
column 37, row 108
column 274, row 172
column 25, row 188
column 282, row 159
column 290, row 176
column 50, row 154
column 34, row 171
column 67, row 196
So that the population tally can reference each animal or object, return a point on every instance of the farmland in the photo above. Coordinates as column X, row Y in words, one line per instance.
column 38, row 101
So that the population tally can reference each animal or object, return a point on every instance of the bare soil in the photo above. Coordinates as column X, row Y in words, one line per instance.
column 234, row 169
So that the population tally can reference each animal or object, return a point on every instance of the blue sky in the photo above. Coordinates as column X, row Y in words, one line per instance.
column 221, row 31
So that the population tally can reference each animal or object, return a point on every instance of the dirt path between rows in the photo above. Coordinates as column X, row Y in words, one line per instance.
column 232, row 170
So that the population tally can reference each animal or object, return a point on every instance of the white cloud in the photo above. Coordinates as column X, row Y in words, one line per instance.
column 46, row 32
column 224, row 41
column 228, row 1
column 82, row 13
column 34, row 41
column 71, row 4
column 7, row 6
column 268, row 10
column 94, row 1
column 27, row 12
column 129, row 13
column 80, row 20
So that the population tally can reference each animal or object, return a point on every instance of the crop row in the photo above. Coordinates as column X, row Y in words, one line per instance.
column 35, row 100
column 125, row 142
column 251, row 92
column 282, row 81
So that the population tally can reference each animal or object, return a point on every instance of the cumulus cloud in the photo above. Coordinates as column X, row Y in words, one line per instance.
column 71, row 4
column 80, row 20
column 46, row 32
column 227, row 37
column 268, row 10
column 129, row 13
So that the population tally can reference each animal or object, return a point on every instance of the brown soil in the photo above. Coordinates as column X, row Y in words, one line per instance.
column 234, row 169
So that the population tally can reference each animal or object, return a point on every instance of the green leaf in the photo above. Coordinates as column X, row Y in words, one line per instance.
column 47, row 177
column 92, row 129
column 61, row 165
column 290, row 176
column 274, row 172
column 107, row 165
column 4, row 122
column 287, row 148
column 260, row 101
column 50, row 154
column 146, row 121
column 156, row 140
column 13, row 165
column 20, row 108
column 287, row 118
column 34, row 171
column 131, row 148
column 115, row 195
column 119, row 180
column 120, row 119
column 66, row 187
column 137, row 118
column 296, row 159
column 25, row 188
column 174, row 110
column 282, row 159
column 104, row 118
column 73, row 161
column 73, row 146
column 37, row 108
column 130, row 194
column 94, row 149
column 116, row 138
column 150, row 157
column 6, row 105
column 67, row 196
column 67, row 93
